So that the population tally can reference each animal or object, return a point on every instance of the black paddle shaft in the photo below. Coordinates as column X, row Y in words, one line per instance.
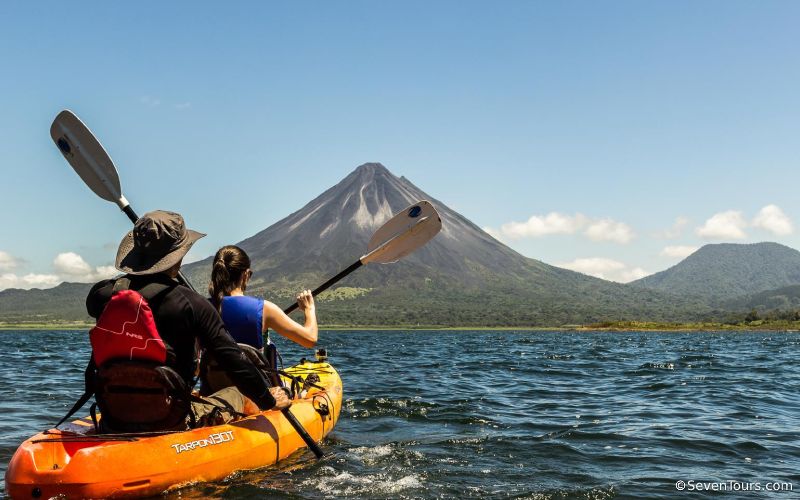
column 133, row 217
column 355, row 265
column 313, row 446
column 130, row 213
column 298, row 427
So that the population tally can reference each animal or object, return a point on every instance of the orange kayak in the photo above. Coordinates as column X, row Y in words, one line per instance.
column 74, row 462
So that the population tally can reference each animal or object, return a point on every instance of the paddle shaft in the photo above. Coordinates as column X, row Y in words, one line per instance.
column 312, row 445
column 355, row 265
column 378, row 251
column 133, row 217
column 393, row 241
column 298, row 427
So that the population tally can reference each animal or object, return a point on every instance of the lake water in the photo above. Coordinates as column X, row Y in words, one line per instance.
column 445, row 414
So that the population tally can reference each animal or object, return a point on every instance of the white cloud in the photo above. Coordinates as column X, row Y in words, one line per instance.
column 8, row 261
column 149, row 101
column 607, row 269
column 68, row 266
column 609, row 230
column 724, row 225
column 72, row 267
column 558, row 223
column 105, row 272
column 183, row 105
column 629, row 275
column 535, row 226
column 773, row 220
column 10, row 280
column 678, row 251
column 493, row 233
column 71, row 264
column 675, row 231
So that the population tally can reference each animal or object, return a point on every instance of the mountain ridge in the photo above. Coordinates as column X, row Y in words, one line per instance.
column 726, row 271
column 463, row 277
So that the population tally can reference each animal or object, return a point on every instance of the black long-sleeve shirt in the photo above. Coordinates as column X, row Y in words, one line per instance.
column 183, row 316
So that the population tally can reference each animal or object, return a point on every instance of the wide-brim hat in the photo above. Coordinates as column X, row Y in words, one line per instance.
column 159, row 240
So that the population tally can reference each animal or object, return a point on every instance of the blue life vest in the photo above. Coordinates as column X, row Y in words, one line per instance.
column 242, row 316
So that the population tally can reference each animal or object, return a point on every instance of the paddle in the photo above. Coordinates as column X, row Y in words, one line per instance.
column 90, row 161
column 407, row 231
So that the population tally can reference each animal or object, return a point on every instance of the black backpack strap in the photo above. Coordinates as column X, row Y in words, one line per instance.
column 152, row 290
column 88, row 391
column 270, row 355
column 93, row 413
column 148, row 291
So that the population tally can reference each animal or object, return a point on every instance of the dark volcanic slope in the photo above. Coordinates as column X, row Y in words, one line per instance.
column 729, row 271
column 332, row 231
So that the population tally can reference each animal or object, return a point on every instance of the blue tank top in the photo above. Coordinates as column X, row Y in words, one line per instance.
column 242, row 316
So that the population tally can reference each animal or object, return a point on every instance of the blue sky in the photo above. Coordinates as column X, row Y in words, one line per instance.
column 608, row 137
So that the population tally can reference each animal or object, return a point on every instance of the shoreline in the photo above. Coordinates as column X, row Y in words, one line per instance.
column 781, row 326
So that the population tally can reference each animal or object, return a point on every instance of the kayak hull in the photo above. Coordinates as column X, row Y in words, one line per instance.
column 74, row 462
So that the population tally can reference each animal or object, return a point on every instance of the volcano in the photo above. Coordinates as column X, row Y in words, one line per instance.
column 333, row 229
column 462, row 277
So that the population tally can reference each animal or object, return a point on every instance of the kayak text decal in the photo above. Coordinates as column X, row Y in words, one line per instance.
column 212, row 439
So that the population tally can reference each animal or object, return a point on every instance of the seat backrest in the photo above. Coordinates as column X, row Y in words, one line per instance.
column 213, row 378
column 141, row 396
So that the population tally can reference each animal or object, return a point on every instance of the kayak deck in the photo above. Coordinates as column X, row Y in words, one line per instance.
column 74, row 462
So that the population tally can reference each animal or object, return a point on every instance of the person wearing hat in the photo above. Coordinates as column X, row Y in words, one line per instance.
column 152, row 253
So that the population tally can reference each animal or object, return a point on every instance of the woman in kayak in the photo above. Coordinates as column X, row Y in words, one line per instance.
column 247, row 318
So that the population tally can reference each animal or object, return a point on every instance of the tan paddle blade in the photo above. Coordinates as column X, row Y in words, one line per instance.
column 87, row 157
column 402, row 234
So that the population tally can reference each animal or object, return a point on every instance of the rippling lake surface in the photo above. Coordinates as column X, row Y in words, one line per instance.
column 501, row 414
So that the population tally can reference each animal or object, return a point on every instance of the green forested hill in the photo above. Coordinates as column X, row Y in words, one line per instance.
column 723, row 272
column 785, row 299
column 66, row 302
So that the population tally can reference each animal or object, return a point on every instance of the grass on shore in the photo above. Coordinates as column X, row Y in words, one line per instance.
column 51, row 325
column 761, row 324
column 766, row 325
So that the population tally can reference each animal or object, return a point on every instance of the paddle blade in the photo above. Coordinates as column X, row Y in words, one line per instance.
column 87, row 157
column 404, row 233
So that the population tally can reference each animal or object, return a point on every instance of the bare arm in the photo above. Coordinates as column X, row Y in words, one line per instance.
column 306, row 334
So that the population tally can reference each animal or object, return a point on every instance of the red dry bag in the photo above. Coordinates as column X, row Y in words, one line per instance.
column 126, row 330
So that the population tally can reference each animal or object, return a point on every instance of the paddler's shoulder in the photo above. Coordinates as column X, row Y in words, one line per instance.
column 98, row 296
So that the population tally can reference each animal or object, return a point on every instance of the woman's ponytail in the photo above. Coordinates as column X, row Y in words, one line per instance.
column 230, row 264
